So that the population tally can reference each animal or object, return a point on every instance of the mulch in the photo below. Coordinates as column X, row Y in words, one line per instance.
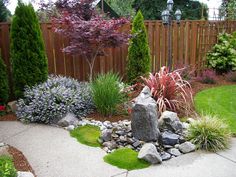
column 8, row 117
column 20, row 162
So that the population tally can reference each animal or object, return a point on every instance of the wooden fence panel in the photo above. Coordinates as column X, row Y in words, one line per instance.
column 191, row 40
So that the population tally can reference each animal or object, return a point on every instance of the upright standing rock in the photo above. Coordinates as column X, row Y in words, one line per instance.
column 144, row 117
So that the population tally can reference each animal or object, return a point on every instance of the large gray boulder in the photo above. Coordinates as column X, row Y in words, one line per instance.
column 169, row 120
column 144, row 116
column 149, row 153
column 69, row 119
column 187, row 147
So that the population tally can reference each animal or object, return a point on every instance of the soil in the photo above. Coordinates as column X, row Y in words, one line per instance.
column 20, row 162
column 114, row 118
column 8, row 117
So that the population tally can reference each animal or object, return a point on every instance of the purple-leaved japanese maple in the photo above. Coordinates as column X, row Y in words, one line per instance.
column 89, row 32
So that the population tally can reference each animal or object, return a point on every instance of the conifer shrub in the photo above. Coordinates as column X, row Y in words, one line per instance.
column 139, row 59
column 29, row 62
column 4, row 89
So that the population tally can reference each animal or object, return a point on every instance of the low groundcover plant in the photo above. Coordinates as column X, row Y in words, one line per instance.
column 209, row 133
column 50, row 101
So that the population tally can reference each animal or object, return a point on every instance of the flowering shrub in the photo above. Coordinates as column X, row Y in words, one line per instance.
column 208, row 76
column 231, row 76
column 2, row 110
column 51, row 100
column 169, row 90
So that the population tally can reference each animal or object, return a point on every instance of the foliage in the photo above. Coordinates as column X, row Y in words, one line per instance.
column 89, row 32
column 106, row 93
column 29, row 62
column 139, row 59
column 231, row 76
column 5, row 14
column 126, row 158
column 208, row 76
column 228, row 9
column 4, row 88
column 122, row 7
column 50, row 101
column 192, row 10
column 47, row 11
column 169, row 90
column 87, row 135
column 219, row 101
column 222, row 58
column 209, row 133
column 187, row 72
column 7, row 168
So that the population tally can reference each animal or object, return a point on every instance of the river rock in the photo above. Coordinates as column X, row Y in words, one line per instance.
column 170, row 139
column 175, row 152
column 149, row 153
column 69, row 119
column 169, row 120
column 187, row 147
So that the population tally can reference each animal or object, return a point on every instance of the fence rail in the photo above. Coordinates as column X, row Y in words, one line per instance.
column 191, row 41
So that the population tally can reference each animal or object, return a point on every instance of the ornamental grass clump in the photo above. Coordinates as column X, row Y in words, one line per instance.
column 107, row 93
column 50, row 101
column 209, row 133
column 169, row 90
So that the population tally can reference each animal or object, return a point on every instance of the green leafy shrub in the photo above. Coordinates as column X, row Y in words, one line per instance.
column 29, row 62
column 107, row 93
column 209, row 133
column 126, row 158
column 4, row 88
column 87, row 135
column 7, row 168
column 222, row 58
column 50, row 101
column 139, row 59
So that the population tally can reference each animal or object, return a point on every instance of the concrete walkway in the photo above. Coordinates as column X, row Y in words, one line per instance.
column 53, row 153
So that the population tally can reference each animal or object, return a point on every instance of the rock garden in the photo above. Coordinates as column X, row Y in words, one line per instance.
column 142, row 119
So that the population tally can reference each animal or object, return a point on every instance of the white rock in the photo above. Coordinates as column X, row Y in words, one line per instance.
column 24, row 174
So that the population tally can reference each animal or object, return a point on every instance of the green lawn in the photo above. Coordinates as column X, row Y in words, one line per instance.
column 87, row 135
column 219, row 101
column 126, row 158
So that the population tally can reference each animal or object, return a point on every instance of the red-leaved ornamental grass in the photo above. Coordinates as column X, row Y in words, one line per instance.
column 170, row 91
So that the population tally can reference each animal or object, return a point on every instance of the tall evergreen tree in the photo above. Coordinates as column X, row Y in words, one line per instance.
column 29, row 62
column 4, row 89
column 4, row 12
column 139, row 59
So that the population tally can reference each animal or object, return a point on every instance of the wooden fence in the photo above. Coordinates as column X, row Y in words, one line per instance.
column 191, row 41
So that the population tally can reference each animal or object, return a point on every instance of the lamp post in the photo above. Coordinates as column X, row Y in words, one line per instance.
column 167, row 19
